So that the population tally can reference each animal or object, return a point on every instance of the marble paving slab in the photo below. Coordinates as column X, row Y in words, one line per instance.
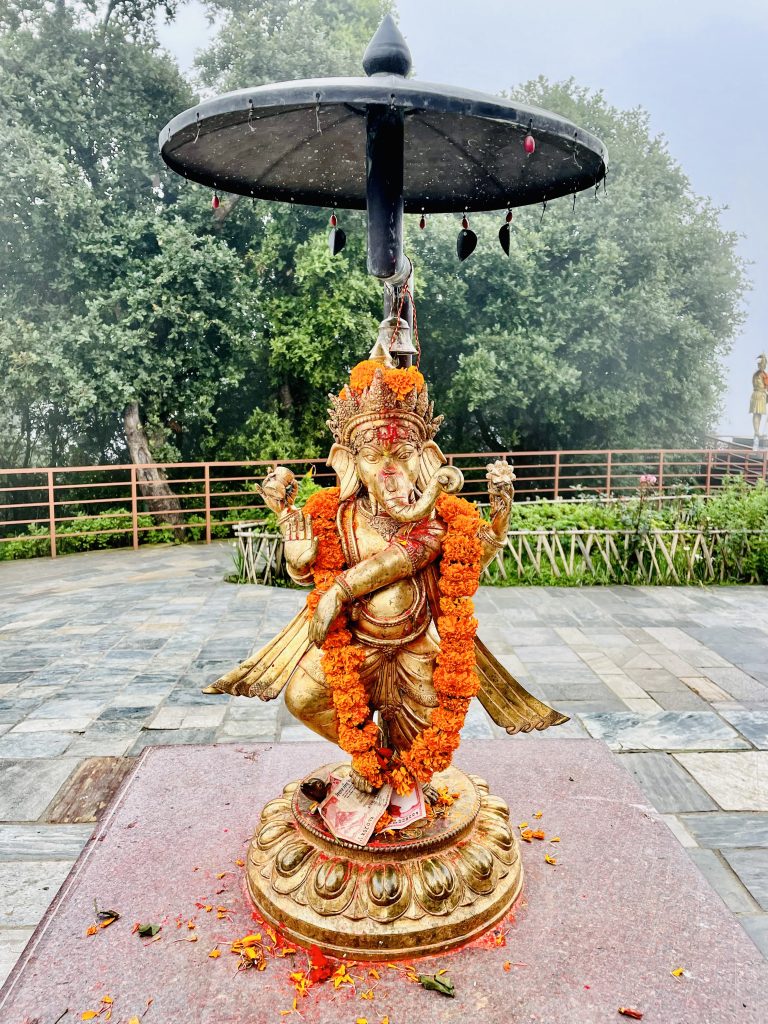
column 42, row 842
column 723, row 831
column 603, row 928
column 737, row 781
column 752, row 723
column 27, row 787
column 669, row 787
column 664, row 730
column 28, row 887
column 752, row 868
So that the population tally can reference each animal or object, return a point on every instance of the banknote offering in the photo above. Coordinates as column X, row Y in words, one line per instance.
column 350, row 814
column 405, row 810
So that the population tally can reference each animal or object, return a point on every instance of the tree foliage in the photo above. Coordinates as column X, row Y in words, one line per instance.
column 605, row 325
column 118, row 284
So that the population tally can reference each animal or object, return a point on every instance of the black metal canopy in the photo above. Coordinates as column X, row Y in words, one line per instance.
column 305, row 142
column 386, row 144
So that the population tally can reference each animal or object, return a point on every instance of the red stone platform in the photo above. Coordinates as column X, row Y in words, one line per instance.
column 605, row 927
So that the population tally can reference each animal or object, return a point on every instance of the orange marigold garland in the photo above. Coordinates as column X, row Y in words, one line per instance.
column 455, row 676
column 341, row 660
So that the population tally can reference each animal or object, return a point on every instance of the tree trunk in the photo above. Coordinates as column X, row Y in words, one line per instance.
column 154, row 487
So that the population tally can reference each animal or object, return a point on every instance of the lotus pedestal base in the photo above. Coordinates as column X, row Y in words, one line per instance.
column 416, row 892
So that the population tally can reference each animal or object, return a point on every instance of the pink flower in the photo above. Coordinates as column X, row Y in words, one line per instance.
column 648, row 480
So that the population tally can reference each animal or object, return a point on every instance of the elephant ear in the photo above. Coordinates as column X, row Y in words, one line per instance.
column 342, row 460
column 431, row 460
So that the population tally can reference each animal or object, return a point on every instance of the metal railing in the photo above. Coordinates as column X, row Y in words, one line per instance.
column 59, row 504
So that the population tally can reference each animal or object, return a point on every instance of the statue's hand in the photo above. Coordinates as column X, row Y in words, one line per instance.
column 279, row 489
column 501, row 492
column 299, row 541
column 328, row 608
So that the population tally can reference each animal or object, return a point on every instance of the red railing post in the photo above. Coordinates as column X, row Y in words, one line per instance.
column 708, row 481
column 134, row 508
column 207, row 485
column 608, row 468
column 556, row 486
column 660, row 481
column 52, row 512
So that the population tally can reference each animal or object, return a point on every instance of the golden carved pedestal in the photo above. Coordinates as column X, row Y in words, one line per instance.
column 435, row 885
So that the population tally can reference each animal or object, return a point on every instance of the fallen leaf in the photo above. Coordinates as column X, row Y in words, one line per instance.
column 550, row 860
column 215, row 953
column 630, row 1011
column 435, row 984
column 147, row 931
column 107, row 915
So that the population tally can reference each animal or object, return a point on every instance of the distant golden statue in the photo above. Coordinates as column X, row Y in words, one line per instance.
column 757, row 403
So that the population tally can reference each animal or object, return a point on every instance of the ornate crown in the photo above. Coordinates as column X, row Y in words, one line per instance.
column 376, row 393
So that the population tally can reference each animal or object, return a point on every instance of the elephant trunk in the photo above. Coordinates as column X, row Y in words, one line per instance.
column 448, row 479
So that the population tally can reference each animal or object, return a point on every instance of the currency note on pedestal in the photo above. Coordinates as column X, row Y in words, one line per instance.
column 406, row 810
column 350, row 814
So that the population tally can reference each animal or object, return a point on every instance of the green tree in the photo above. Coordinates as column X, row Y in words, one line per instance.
column 119, row 316
column 606, row 324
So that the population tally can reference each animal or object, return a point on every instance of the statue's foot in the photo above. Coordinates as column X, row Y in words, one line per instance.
column 430, row 793
column 211, row 689
column 361, row 784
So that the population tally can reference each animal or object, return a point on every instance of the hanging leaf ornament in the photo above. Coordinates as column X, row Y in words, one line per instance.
column 529, row 144
column 466, row 242
column 337, row 238
column 504, row 233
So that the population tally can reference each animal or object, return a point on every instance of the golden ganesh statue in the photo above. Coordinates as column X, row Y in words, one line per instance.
column 399, row 853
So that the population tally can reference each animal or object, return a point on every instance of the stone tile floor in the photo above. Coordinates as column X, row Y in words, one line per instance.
column 105, row 653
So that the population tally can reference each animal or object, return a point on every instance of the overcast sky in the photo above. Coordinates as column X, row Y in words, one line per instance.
column 700, row 67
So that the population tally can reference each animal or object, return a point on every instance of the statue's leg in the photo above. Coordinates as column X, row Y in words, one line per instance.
column 308, row 698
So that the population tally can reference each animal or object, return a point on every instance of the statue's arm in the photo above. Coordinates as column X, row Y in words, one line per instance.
column 412, row 548
column 501, row 491
column 299, row 546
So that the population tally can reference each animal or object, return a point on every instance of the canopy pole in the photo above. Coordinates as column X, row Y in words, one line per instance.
column 384, row 158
